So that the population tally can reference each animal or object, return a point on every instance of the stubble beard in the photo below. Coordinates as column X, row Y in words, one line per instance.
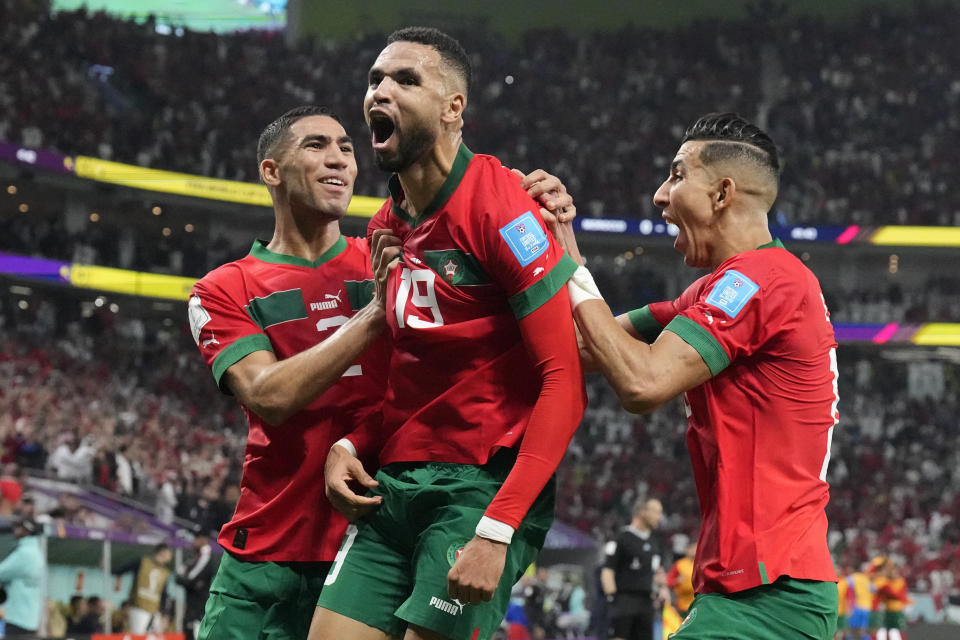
column 410, row 148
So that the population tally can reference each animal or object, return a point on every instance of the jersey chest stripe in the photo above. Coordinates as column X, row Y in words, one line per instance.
column 277, row 308
column 359, row 292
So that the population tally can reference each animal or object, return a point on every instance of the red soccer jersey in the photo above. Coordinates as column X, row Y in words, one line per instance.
column 478, row 259
column 285, row 304
column 761, row 427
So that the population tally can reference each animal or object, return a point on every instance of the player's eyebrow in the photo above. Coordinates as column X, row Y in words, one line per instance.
column 325, row 139
column 315, row 137
column 378, row 73
column 676, row 164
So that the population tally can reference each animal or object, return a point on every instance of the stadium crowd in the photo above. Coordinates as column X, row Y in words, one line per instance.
column 120, row 403
column 864, row 109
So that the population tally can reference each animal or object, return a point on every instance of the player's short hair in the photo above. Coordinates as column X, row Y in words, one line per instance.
column 163, row 546
column 731, row 137
column 450, row 50
column 276, row 131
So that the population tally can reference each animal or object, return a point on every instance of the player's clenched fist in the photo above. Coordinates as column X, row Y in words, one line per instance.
column 477, row 571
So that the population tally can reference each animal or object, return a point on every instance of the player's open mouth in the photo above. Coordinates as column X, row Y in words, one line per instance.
column 381, row 129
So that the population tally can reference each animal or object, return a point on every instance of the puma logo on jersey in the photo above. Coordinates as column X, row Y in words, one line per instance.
column 331, row 301
column 447, row 607
column 209, row 341
column 537, row 271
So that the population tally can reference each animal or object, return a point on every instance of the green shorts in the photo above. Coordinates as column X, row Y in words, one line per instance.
column 788, row 608
column 392, row 567
column 894, row 620
column 876, row 620
column 262, row 600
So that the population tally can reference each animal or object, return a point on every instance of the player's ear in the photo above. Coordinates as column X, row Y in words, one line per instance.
column 456, row 103
column 270, row 172
column 722, row 197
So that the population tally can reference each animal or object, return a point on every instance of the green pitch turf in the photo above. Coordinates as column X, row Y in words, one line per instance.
column 198, row 15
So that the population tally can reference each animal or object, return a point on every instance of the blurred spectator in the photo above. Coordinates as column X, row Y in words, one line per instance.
column 21, row 574
column 534, row 607
column 195, row 578
column 69, row 510
column 10, row 495
column 76, row 613
column 56, row 620
column 72, row 459
column 93, row 619
column 574, row 618
column 120, row 618
column 124, row 472
column 148, row 592
column 680, row 579
column 166, row 497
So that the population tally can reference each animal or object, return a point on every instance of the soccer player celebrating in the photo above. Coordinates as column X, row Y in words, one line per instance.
column 752, row 347
column 286, row 330
column 485, row 386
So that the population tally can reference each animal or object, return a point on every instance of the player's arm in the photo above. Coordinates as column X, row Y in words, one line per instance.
column 277, row 389
column 548, row 335
column 343, row 469
column 644, row 376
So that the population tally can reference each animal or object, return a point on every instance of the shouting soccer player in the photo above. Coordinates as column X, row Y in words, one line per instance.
column 485, row 386
column 752, row 347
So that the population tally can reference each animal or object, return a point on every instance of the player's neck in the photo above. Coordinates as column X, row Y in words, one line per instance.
column 740, row 235
column 422, row 180
column 307, row 239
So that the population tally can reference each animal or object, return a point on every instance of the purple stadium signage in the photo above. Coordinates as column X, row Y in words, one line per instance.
column 35, row 157
column 34, row 267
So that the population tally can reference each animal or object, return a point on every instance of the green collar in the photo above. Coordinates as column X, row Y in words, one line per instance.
column 773, row 243
column 260, row 252
column 446, row 190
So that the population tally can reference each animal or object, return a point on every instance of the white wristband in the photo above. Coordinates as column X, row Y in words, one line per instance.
column 346, row 444
column 494, row 530
column 582, row 287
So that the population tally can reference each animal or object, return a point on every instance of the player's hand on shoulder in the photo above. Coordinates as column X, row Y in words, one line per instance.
column 477, row 570
column 385, row 248
column 556, row 204
column 342, row 473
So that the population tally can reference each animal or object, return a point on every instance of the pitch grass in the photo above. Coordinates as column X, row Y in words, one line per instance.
column 197, row 15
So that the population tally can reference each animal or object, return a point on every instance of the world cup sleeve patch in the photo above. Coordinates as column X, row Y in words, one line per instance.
column 198, row 316
column 525, row 238
column 732, row 292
